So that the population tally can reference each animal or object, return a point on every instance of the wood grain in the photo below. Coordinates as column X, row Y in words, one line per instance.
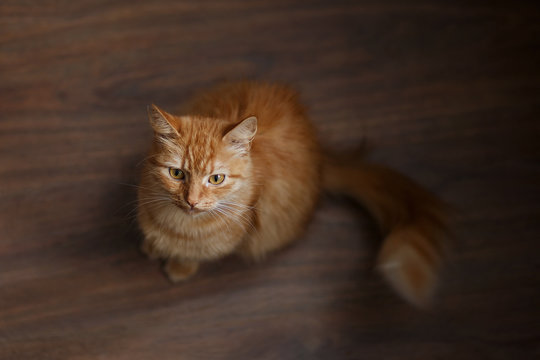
column 446, row 92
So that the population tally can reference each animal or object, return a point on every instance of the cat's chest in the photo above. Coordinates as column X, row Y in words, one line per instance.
column 177, row 225
column 202, row 238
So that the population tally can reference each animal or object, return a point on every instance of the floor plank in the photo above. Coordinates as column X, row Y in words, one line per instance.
column 446, row 92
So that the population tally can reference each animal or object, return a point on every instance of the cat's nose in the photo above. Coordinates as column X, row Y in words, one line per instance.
column 191, row 204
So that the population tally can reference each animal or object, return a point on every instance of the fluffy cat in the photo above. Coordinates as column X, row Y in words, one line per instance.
column 242, row 172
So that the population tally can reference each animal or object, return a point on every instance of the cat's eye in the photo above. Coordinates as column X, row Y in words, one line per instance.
column 176, row 174
column 216, row 179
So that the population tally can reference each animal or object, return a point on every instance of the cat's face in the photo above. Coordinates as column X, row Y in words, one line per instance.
column 201, row 178
column 201, row 165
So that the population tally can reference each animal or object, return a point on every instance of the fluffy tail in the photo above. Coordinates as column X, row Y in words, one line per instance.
column 413, row 222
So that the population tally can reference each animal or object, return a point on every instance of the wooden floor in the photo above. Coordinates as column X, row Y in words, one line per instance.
column 446, row 92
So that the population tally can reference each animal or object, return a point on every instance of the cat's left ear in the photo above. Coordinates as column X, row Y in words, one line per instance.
column 239, row 138
column 162, row 122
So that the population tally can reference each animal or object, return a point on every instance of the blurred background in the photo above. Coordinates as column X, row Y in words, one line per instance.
column 445, row 91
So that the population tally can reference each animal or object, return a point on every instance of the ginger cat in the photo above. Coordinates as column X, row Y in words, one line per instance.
column 242, row 172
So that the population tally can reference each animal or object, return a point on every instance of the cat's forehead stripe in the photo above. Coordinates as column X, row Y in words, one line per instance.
column 199, row 154
column 195, row 150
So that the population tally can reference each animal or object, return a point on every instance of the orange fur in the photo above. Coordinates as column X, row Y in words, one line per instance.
column 413, row 222
column 260, row 138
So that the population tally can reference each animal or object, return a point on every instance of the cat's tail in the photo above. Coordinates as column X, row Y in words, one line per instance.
column 412, row 220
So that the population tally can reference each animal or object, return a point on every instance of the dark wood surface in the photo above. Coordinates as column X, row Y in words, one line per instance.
column 447, row 92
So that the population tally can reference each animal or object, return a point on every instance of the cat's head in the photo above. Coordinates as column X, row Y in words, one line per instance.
column 202, row 164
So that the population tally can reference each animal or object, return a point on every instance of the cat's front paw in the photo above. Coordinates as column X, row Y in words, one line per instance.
column 147, row 248
column 180, row 271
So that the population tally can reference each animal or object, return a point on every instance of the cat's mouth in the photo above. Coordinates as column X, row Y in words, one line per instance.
column 194, row 211
column 187, row 209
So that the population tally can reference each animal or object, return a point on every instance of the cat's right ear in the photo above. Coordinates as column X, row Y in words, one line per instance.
column 239, row 138
column 162, row 122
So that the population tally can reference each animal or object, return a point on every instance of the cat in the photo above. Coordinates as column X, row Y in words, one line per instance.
column 242, row 172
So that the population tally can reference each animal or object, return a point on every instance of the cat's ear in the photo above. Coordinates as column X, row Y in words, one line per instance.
column 162, row 122
column 239, row 138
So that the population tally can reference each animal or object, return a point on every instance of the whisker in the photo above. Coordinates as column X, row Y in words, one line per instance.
column 223, row 219
column 239, row 216
column 140, row 200
column 236, row 204
column 144, row 159
column 151, row 202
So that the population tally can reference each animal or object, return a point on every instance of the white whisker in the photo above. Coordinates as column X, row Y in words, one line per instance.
column 152, row 202
column 240, row 216
column 222, row 219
